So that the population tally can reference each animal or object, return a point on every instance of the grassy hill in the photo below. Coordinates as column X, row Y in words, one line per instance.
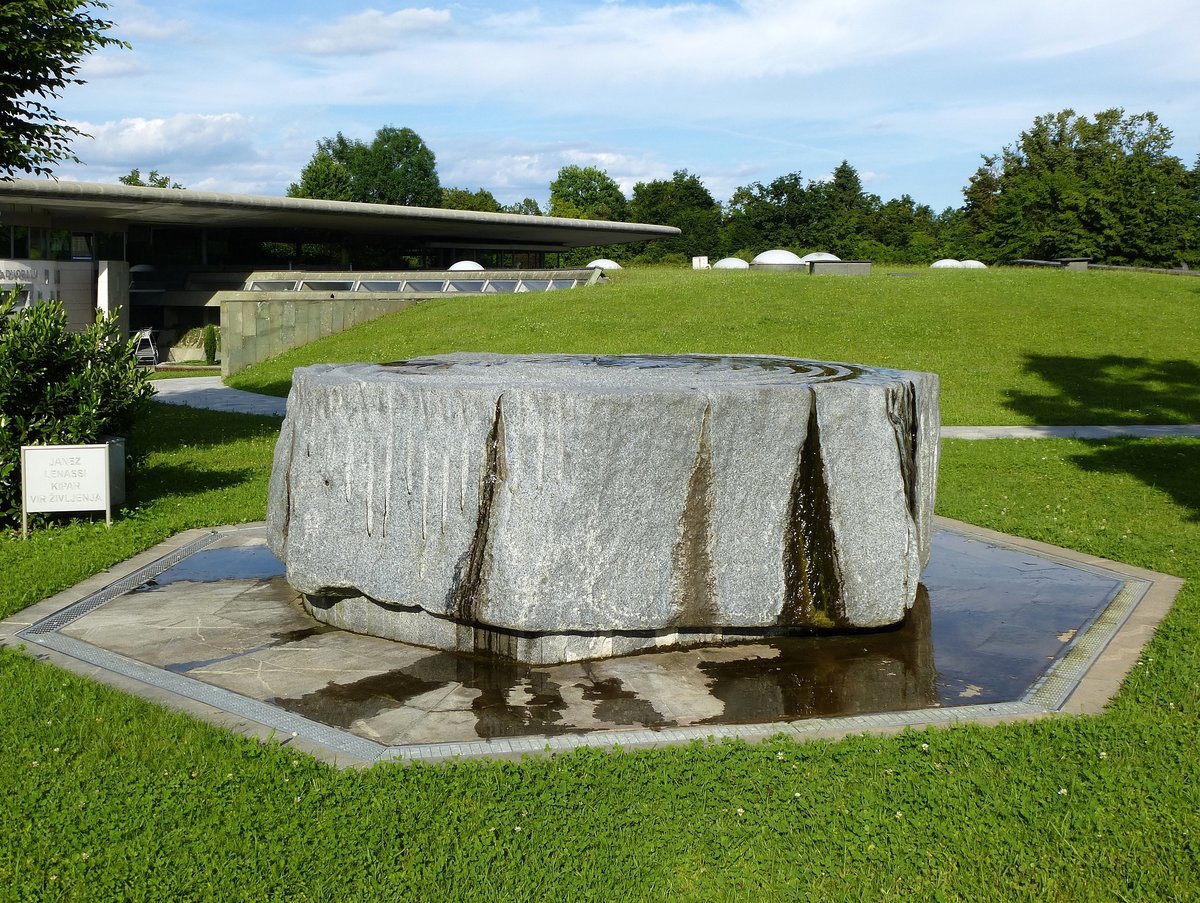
column 1012, row 346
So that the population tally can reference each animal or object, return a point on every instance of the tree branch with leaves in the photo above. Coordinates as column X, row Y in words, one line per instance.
column 42, row 43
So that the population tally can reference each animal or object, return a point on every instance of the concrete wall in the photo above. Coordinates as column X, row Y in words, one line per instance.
column 254, row 328
column 73, row 283
column 839, row 267
column 112, row 291
column 76, row 289
column 256, row 325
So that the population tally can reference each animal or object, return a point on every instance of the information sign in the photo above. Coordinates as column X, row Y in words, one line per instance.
column 58, row 478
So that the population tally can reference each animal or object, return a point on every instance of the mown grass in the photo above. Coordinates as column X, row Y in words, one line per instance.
column 1012, row 346
column 111, row 798
column 195, row 468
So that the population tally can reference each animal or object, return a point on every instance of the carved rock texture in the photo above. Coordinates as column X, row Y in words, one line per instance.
column 552, row 508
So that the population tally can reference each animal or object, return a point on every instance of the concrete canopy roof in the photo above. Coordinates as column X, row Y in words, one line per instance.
column 93, row 205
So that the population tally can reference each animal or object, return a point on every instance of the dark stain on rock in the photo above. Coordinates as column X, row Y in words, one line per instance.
column 468, row 595
column 902, row 412
column 812, row 579
column 692, row 560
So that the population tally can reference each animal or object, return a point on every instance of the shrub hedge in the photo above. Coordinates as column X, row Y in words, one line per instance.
column 59, row 387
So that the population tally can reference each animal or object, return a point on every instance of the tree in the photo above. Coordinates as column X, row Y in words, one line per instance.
column 1073, row 187
column 585, row 192
column 778, row 215
column 397, row 167
column 839, row 212
column 525, row 207
column 899, row 231
column 325, row 177
column 153, row 180
column 683, row 202
column 462, row 199
column 42, row 43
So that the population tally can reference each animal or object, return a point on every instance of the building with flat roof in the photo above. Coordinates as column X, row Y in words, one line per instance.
column 162, row 255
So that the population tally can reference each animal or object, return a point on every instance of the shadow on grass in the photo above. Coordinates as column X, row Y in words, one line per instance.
column 171, row 427
column 1172, row 466
column 1111, row 390
column 197, row 444
column 160, row 480
column 277, row 387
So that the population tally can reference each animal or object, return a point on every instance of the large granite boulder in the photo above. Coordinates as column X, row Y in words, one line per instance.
column 555, row 508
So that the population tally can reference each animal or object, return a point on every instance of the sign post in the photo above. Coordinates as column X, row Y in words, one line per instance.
column 58, row 478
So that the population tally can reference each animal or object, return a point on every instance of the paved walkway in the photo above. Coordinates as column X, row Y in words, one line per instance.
column 1068, row 432
column 210, row 392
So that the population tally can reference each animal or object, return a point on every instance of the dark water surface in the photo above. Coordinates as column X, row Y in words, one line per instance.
column 987, row 624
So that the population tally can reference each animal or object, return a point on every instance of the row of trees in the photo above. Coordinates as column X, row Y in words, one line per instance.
column 1106, row 188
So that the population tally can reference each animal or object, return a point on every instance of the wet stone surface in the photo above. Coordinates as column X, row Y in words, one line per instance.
column 986, row 624
column 558, row 508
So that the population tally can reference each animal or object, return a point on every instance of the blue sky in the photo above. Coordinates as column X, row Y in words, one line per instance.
column 233, row 96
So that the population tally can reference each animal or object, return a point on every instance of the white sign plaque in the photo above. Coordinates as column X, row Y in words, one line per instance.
column 57, row 478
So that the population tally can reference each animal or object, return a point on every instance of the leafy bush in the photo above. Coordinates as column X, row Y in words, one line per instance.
column 210, row 344
column 59, row 387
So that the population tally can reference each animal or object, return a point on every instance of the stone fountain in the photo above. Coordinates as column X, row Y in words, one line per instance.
column 555, row 508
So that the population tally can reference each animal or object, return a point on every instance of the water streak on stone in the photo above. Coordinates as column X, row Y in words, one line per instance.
column 902, row 411
column 692, row 558
column 812, row 581
column 467, row 595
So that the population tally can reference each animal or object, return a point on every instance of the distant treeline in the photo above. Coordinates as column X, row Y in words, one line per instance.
column 1105, row 188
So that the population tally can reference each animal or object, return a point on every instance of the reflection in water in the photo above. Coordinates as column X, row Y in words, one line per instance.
column 617, row 705
column 232, row 563
column 881, row 671
column 797, row 368
column 807, row 676
column 513, row 700
column 994, row 618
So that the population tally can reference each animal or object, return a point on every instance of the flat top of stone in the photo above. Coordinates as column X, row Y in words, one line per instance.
column 636, row 372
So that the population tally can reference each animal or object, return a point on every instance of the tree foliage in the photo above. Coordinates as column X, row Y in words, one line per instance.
column 42, row 43
column 59, row 387
column 1105, row 188
column 834, row 215
column 524, row 207
column 585, row 192
column 397, row 167
column 481, row 200
column 153, row 179
column 681, row 201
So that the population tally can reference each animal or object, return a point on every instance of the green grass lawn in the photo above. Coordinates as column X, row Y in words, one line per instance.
column 107, row 797
column 1012, row 346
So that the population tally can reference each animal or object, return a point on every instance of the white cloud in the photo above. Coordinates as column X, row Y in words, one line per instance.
column 112, row 64
column 159, row 143
column 136, row 22
column 374, row 31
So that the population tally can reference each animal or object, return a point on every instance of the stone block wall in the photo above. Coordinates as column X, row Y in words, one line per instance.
column 254, row 328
